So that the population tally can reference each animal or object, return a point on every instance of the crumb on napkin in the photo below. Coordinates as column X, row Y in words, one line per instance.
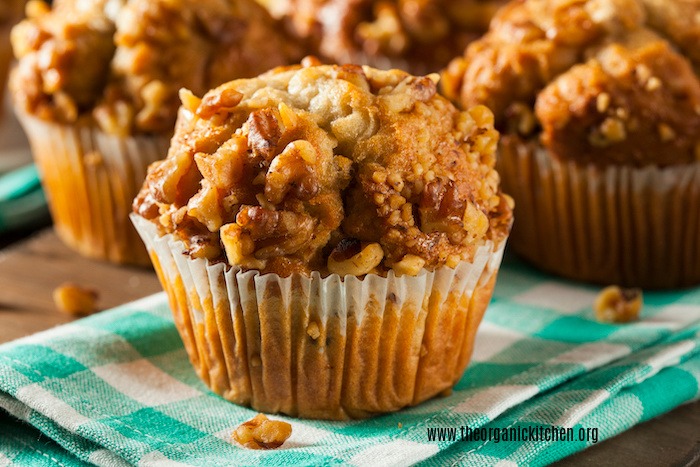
column 617, row 305
column 262, row 433
column 75, row 300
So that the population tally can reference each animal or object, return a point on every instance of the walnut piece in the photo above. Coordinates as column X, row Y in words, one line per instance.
column 75, row 300
column 273, row 173
column 262, row 433
column 357, row 265
column 616, row 305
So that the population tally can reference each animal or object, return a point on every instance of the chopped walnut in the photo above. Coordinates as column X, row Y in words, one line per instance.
column 262, row 433
column 611, row 131
column 603, row 102
column 290, row 171
column 666, row 133
column 617, row 305
column 120, row 64
column 410, row 265
column 363, row 262
column 415, row 35
column 75, row 300
column 602, row 77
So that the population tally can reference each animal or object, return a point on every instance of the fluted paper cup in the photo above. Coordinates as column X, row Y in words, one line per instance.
column 329, row 348
column 614, row 225
column 91, row 178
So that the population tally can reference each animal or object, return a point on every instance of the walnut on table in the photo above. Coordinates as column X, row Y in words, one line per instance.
column 75, row 300
column 617, row 305
column 262, row 433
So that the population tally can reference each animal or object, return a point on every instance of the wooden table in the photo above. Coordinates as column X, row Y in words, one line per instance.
column 32, row 268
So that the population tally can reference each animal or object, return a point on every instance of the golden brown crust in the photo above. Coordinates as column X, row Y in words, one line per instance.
column 680, row 21
column 122, row 64
column 599, row 84
column 272, row 173
column 419, row 36
column 64, row 57
column 638, row 105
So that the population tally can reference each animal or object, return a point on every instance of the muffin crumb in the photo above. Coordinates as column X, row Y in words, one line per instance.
column 666, row 133
column 262, row 433
column 75, row 300
column 618, row 305
column 603, row 102
column 653, row 84
column 313, row 331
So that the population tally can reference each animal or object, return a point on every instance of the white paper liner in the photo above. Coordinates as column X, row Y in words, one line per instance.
column 383, row 342
column 615, row 225
column 91, row 178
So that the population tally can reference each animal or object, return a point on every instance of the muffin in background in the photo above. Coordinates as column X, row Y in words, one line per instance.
column 599, row 106
column 10, row 13
column 329, row 238
column 96, row 89
column 419, row 36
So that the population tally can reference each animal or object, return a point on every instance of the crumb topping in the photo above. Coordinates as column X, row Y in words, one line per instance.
column 340, row 169
column 121, row 64
column 608, row 82
column 419, row 36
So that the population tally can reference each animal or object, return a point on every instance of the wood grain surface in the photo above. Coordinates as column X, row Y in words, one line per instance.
column 32, row 268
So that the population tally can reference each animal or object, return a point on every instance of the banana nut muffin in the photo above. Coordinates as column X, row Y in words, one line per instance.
column 96, row 88
column 329, row 237
column 288, row 171
column 420, row 36
column 121, row 63
column 606, row 86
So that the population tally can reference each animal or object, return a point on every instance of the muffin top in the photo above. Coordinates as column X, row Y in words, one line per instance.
column 417, row 36
column 121, row 63
column 593, row 81
column 336, row 169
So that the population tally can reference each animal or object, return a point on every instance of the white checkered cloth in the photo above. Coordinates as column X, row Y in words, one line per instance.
column 117, row 388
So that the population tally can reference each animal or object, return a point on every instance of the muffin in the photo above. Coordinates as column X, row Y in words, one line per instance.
column 96, row 89
column 599, row 105
column 329, row 237
column 10, row 13
column 417, row 36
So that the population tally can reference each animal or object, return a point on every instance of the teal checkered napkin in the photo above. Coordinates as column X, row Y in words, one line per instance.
column 22, row 200
column 117, row 388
